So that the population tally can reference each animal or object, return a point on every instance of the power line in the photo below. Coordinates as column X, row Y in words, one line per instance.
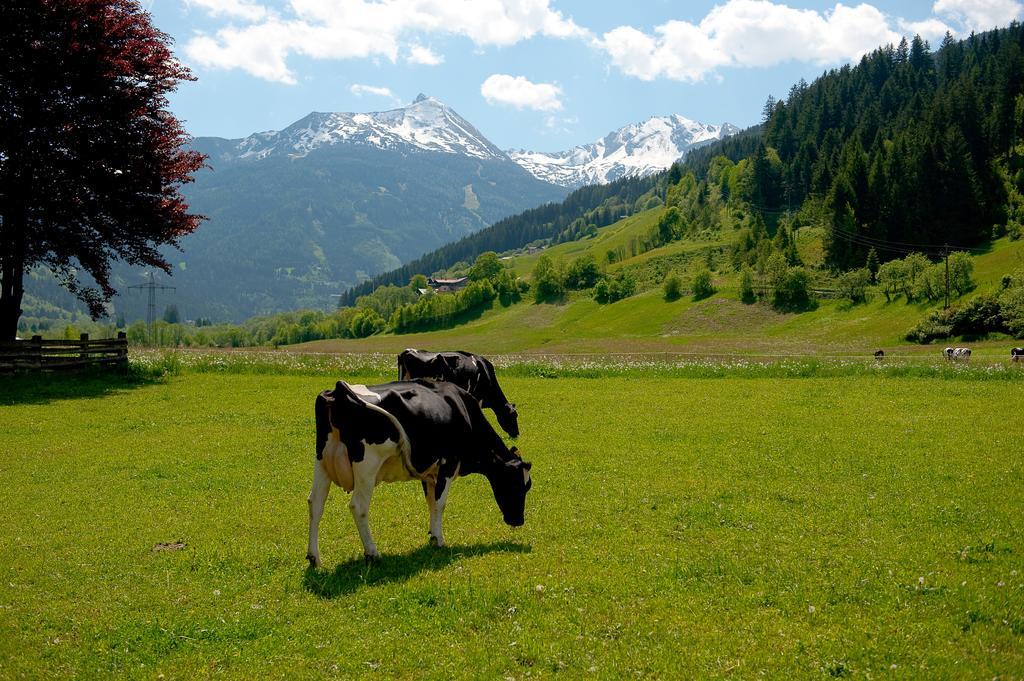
column 151, row 288
column 905, row 246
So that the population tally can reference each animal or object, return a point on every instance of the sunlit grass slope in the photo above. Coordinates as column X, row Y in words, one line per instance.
column 720, row 324
column 678, row 528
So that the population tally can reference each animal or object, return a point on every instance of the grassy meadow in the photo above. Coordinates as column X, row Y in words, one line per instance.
column 852, row 525
column 718, row 325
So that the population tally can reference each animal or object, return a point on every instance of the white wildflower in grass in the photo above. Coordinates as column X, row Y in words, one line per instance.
column 151, row 362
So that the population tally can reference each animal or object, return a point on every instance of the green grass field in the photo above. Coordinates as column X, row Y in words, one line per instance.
column 864, row 526
column 719, row 325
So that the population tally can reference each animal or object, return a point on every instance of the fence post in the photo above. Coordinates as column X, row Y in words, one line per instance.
column 36, row 358
column 83, row 356
column 122, row 351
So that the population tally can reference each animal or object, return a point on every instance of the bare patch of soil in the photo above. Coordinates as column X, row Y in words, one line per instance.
column 172, row 546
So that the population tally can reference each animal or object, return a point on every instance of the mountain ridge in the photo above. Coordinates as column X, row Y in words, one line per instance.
column 427, row 124
column 636, row 149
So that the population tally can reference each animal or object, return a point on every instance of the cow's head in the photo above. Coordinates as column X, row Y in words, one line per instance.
column 510, row 481
column 508, row 419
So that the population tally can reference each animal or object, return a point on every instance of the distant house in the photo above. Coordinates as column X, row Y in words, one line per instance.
column 447, row 285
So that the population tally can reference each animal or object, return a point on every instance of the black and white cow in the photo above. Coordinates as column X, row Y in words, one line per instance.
column 470, row 372
column 957, row 354
column 879, row 354
column 1016, row 354
column 420, row 430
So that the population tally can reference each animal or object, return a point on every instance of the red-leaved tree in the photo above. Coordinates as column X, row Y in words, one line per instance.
column 91, row 160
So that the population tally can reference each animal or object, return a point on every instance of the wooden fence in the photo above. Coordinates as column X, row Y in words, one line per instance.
column 64, row 355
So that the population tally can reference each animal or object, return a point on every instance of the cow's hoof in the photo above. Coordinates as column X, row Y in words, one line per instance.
column 314, row 561
column 371, row 557
column 434, row 541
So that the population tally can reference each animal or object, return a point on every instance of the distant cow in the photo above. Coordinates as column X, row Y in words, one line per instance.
column 879, row 354
column 420, row 430
column 957, row 354
column 1016, row 354
column 472, row 373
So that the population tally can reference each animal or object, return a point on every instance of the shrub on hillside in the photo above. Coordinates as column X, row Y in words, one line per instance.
column 793, row 292
column 702, row 285
column 976, row 318
column 747, row 285
column 366, row 322
column 582, row 273
column 673, row 287
column 1011, row 303
column 486, row 266
column 854, row 284
column 617, row 287
column 548, row 280
column 961, row 269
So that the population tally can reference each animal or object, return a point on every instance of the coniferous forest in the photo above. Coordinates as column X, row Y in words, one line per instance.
column 909, row 147
column 910, row 150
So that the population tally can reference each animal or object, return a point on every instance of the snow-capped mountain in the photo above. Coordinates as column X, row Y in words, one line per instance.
column 299, row 214
column 426, row 125
column 634, row 150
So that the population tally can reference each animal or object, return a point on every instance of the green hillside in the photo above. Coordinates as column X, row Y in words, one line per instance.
column 720, row 324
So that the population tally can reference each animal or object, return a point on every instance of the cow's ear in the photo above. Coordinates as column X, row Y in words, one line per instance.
column 527, row 465
column 515, row 452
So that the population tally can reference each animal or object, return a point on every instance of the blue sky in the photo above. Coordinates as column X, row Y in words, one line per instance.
column 535, row 74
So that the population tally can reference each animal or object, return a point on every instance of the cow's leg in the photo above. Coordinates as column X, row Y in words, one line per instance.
column 437, row 510
column 429, row 492
column 317, row 499
column 365, row 478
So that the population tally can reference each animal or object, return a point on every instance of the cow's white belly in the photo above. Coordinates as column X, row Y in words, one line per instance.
column 336, row 463
column 392, row 469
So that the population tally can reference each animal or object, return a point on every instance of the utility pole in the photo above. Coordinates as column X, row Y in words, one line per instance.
column 151, row 288
column 945, row 255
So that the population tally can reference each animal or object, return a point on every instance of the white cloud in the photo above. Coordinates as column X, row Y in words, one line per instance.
column 933, row 30
column 260, row 50
column 345, row 29
column 747, row 33
column 978, row 15
column 556, row 125
column 519, row 92
column 359, row 90
column 418, row 54
column 236, row 9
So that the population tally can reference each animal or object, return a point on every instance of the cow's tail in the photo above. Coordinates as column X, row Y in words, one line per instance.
column 404, row 445
column 322, row 414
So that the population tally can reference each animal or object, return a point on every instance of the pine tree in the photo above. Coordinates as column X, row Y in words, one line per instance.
column 873, row 264
column 768, row 109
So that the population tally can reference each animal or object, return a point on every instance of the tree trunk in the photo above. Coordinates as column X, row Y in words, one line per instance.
column 10, row 302
column 12, row 270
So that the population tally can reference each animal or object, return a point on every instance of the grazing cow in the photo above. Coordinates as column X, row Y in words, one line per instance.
column 957, row 354
column 472, row 373
column 879, row 354
column 420, row 430
column 1016, row 354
